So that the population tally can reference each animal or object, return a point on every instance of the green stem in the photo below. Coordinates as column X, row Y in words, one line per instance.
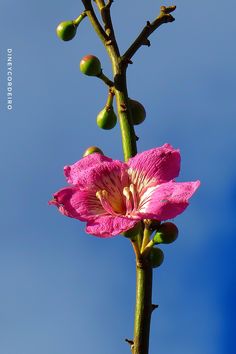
column 143, row 309
column 105, row 79
column 143, row 269
column 126, row 127
column 80, row 18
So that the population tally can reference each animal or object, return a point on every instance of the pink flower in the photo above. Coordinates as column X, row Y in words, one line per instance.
column 113, row 196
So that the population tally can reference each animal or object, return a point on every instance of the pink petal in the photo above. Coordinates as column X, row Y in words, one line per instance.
column 73, row 172
column 167, row 200
column 157, row 165
column 108, row 225
column 109, row 175
column 77, row 204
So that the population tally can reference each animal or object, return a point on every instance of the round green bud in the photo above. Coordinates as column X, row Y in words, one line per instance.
column 66, row 30
column 90, row 65
column 90, row 150
column 138, row 112
column 106, row 119
column 167, row 233
column 156, row 257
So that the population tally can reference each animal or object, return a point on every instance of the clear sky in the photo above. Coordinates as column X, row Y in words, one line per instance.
column 63, row 291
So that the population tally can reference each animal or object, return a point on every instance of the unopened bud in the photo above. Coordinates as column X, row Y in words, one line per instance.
column 90, row 150
column 156, row 257
column 167, row 233
column 106, row 119
column 90, row 65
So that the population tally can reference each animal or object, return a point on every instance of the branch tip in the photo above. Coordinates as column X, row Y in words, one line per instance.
column 167, row 10
column 150, row 27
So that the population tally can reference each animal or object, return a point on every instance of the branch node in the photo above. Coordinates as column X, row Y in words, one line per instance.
column 109, row 42
column 123, row 107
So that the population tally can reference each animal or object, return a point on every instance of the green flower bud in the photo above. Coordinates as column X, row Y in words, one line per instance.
column 138, row 112
column 167, row 233
column 66, row 30
column 90, row 65
column 107, row 119
column 156, row 257
column 90, row 150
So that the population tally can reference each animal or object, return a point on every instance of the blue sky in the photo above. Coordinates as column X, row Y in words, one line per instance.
column 63, row 291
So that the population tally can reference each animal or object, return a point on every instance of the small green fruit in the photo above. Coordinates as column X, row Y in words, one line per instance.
column 138, row 112
column 66, row 30
column 90, row 150
column 156, row 257
column 167, row 233
column 90, row 65
column 106, row 119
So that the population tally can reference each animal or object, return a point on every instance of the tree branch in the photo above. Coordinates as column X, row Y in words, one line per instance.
column 142, row 39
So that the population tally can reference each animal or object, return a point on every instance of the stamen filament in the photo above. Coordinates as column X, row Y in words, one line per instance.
column 134, row 195
column 128, row 202
column 102, row 195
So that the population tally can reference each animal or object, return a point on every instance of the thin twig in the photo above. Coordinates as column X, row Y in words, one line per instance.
column 94, row 20
column 142, row 39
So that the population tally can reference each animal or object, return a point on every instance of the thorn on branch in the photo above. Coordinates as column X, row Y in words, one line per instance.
column 126, row 61
column 129, row 341
column 146, row 42
column 154, row 307
column 136, row 138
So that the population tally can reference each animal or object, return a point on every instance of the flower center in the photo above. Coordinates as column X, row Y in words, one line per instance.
column 119, row 204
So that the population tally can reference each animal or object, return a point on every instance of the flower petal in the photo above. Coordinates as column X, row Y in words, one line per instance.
column 110, row 175
column 108, row 225
column 156, row 166
column 77, row 204
column 167, row 200
column 73, row 172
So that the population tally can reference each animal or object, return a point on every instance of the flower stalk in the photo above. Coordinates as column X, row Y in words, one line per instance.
column 143, row 307
column 118, row 87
